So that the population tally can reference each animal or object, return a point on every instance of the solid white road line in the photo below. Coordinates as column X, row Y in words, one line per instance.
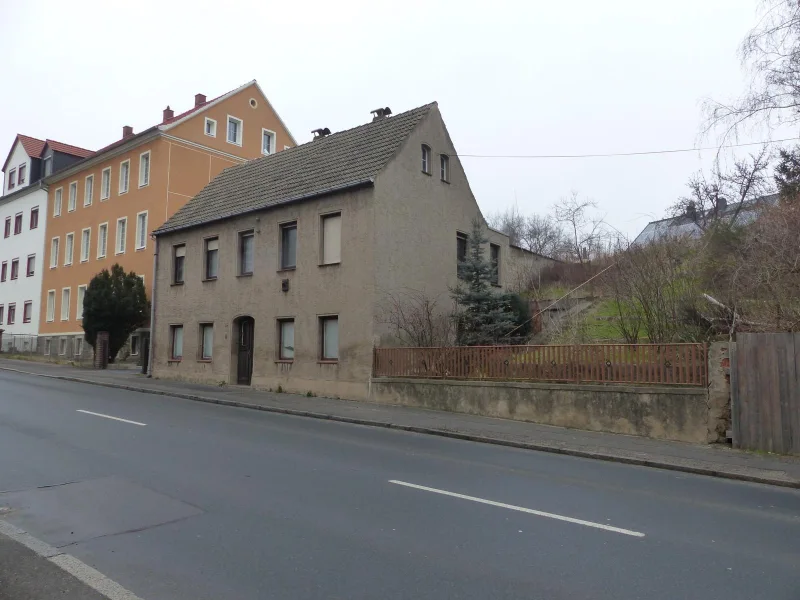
column 531, row 511
column 88, row 412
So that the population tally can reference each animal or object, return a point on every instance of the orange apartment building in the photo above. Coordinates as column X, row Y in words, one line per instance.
column 102, row 209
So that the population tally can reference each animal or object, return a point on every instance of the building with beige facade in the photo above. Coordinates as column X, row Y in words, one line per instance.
column 102, row 209
column 276, row 273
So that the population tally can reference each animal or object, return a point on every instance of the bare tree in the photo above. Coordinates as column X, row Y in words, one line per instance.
column 416, row 319
column 587, row 232
column 538, row 233
column 510, row 221
column 771, row 54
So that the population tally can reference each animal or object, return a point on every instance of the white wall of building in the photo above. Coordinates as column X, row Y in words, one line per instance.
column 29, row 241
column 18, row 157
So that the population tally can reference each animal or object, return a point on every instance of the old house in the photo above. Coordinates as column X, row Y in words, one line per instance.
column 276, row 272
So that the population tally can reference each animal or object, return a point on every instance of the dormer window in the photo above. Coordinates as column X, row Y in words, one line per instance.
column 12, row 179
column 21, row 174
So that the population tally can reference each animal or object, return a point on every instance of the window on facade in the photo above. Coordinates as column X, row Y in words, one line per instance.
column 79, row 303
column 206, row 341
column 15, row 268
column 34, row 218
column 122, row 232
column 176, row 342
column 47, row 346
column 426, row 159
column 178, row 260
column 246, row 249
column 444, row 167
column 7, row 230
column 27, row 311
column 22, row 173
column 144, row 169
column 88, row 190
column 329, row 329
column 78, row 345
column 286, row 339
column 134, row 345
column 86, row 236
column 105, row 184
column 211, row 127
column 18, row 224
column 30, row 268
column 12, row 313
column 3, row 272
column 212, row 258
column 267, row 141
column 65, row 294
column 57, row 199
column 234, row 131
column 289, row 246
column 494, row 253
column 2, row 313
column 124, row 176
column 72, row 201
column 461, row 247
column 331, row 239
column 54, row 253
column 102, row 240
column 69, row 247
column 51, row 305
column 12, row 179
column 141, row 230
column 48, row 166
column 62, row 345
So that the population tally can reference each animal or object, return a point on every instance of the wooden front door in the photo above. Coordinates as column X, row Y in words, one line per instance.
column 245, row 351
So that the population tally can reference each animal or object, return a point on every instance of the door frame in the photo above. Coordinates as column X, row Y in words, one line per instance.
column 237, row 350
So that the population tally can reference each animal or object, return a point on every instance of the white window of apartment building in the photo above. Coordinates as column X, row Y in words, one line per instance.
column 144, row 169
column 65, row 293
column 69, row 246
column 88, row 190
column 207, row 341
column 141, row 230
column 105, row 184
column 286, row 339
column 235, row 127
column 86, row 236
column 212, row 258
column 27, row 311
column 122, row 231
column 54, row 253
column 51, row 305
column 21, row 174
column 331, row 239
column 102, row 240
column 329, row 338
column 267, row 141
column 210, row 127
column 176, row 342
column 72, row 203
column 124, row 176
column 57, row 199
column 79, row 303
column 289, row 245
column 246, row 250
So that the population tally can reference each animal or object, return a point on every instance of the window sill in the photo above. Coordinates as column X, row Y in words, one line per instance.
column 85, row 260
column 207, row 279
column 287, row 269
column 176, row 284
column 234, row 143
column 140, row 249
column 284, row 361
column 328, row 362
column 144, row 185
column 204, row 360
column 445, row 181
column 174, row 360
column 330, row 264
column 245, row 275
column 426, row 173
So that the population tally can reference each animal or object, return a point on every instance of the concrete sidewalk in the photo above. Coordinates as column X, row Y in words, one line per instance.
column 713, row 460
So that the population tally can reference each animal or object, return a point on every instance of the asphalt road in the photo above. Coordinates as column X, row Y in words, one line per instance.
column 189, row 500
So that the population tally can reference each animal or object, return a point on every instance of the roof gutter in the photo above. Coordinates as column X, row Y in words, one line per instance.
column 326, row 192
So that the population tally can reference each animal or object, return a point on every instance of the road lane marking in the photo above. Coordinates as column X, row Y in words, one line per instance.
column 530, row 511
column 88, row 412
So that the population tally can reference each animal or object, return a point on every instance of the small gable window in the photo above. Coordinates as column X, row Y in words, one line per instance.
column 444, row 161
column 426, row 159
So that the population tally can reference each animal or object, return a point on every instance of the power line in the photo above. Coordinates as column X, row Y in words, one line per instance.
column 675, row 151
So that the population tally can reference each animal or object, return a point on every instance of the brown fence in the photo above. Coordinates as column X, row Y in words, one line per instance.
column 672, row 364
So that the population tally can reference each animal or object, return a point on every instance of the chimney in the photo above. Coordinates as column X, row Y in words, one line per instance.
column 691, row 211
column 380, row 113
column 321, row 133
column 199, row 100
column 127, row 131
column 168, row 114
column 721, row 204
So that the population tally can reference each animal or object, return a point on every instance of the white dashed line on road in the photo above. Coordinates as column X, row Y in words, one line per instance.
column 88, row 412
column 530, row 511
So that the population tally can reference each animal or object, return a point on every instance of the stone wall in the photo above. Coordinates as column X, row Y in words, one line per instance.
column 719, row 391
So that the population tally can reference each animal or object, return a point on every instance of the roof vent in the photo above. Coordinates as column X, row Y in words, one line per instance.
column 321, row 133
column 127, row 131
column 168, row 114
column 199, row 100
column 379, row 113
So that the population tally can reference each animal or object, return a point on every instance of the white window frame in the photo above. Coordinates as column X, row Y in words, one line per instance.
column 426, row 159
column 124, row 238
column 72, row 200
column 273, row 136
column 85, row 251
column 136, row 241
column 240, row 139
column 12, row 179
column 79, row 302
column 323, row 319
column 126, row 179
column 172, row 331
column 213, row 122
column 58, row 199
column 55, row 249
column 65, row 309
column 105, row 194
column 202, row 345
column 102, row 248
column 68, row 259
column 286, row 147
column 141, row 172
column 88, row 190
column 50, row 315
column 444, row 168
column 323, row 218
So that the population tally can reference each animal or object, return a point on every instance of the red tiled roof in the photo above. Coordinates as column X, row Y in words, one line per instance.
column 69, row 149
column 190, row 111
column 33, row 146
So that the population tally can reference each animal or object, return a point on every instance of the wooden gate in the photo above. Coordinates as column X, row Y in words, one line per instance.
column 765, row 392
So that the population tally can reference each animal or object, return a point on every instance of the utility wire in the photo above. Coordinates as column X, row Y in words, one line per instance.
column 613, row 154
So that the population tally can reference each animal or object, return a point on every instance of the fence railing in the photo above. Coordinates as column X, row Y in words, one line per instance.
column 670, row 364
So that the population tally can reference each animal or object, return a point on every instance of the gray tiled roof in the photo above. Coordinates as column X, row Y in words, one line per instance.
column 336, row 162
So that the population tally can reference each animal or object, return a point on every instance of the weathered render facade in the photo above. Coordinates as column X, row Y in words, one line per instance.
column 305, row 247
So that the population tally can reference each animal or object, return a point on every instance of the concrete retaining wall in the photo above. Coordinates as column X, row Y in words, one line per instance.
column 669, row 413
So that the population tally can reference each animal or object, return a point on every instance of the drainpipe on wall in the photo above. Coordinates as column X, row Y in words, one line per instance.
column 153, row 311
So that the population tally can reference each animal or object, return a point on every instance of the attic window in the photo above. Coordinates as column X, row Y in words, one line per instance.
column 426, row 159
column 253, row 103
column 12, row 178
column 235, row 130
column 211, row 127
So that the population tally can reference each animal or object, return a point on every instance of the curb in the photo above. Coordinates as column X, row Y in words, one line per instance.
column 541, row 447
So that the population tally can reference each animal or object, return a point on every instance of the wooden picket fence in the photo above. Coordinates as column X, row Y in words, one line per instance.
column 662, row 364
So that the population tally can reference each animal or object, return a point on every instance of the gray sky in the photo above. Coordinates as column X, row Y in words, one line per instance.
column 522, row 77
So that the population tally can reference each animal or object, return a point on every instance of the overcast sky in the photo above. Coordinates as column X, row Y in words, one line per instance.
column 522, row 77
